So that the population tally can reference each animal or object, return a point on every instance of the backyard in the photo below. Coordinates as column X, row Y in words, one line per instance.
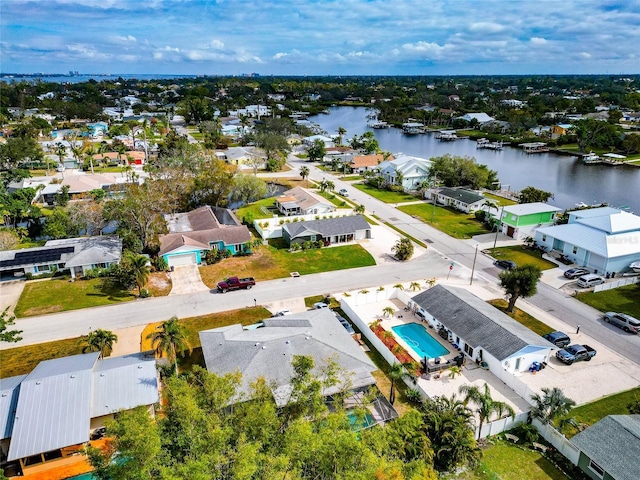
column 510, row 462
column 448, row 220
column 521, row 256
column 385, row 196
column 275, row 261
column 624, row 299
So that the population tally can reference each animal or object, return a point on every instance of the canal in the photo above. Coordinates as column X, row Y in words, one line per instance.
column 567, row 178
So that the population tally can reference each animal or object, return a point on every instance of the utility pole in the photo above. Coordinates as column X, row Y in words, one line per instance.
column 498, row 228
column 473, row 268
column 433, row 194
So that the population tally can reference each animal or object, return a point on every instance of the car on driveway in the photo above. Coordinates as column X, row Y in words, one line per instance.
column 575, row 273
column 622, row 320
column 506, row 264
column 559, row 339
column 343, row 321
column 343, row 192
column 282, row 313
column 319, row 305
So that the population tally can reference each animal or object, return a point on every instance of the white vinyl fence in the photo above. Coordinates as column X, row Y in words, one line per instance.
column 618, row 283
column 559, row 441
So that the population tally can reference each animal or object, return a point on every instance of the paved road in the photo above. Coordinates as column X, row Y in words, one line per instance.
column 435, row 262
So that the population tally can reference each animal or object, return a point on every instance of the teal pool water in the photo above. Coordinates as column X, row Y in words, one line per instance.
column 359, row 422
column 419, row 339
column 85, row 476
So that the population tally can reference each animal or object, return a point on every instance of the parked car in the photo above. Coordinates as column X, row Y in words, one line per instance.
column 282, row 313
column 343, row 192
column 575, row 353
column 576, row 272
column 559, row 339
column 590, row 280
column 623, row 321
column 319, row 305
column 506, row 264
column 343, row 321
column 235, row 283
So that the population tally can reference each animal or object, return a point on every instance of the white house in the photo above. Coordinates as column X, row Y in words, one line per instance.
column 602, row 239
column 481, row 117
column 412, row 170
column 309, row 141
column 481, row 331
column 300, row 201
column 460, row 198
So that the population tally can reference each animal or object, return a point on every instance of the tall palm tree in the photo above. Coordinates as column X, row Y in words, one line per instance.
column 304, row 173
column 551, row 406
column 359, row 209
column 341, row 132
column 140, row 267
column 100, row 341
column 171, row 338
column 486, row 405
column 414, row 286
column 397, row 372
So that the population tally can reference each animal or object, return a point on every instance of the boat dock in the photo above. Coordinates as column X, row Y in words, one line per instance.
column 534, row 147
column 447, row 135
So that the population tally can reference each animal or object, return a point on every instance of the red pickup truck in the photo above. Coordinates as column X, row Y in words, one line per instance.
column 235, row 283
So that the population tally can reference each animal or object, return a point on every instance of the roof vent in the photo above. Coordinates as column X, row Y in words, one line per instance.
column 38, row 383
column 73, row 376
column 307, row 338
column 287, row 342
column 102, row 374
column 256, row 344
column 264, row 347
column 139, row 367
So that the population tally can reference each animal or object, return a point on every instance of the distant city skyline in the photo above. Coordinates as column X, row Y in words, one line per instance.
column 321, row 37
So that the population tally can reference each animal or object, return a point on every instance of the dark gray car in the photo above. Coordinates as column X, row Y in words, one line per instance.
column 559, row 339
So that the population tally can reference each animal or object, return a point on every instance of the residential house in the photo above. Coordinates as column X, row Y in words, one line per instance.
column 192, row 234
column 80, row 185
column 330, row 230
column 519, row 221
column 602, row 239
column 560, row 129
column 460, row 198
column 300, row 201
column 406, row 170
column 610, row 448
column 243, row 157
column 309, row 141
column 51, row 413
column 133, row 157
column 481, row 331
column 267, row 353
column 480, row 117
column 363, row 163
column 74, row 254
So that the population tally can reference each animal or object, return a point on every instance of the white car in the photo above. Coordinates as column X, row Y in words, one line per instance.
column 282, row 313
column 343, row 192
column 319, row 305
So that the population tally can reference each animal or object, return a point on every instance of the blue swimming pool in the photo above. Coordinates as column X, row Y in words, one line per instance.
column 419, row 339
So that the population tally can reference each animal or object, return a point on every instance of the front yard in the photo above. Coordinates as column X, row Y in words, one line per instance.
column 521, row 256
column 275, row 261
column 522, row 317
column 21, row 360
column 385, row 196
column 624, row 299
column 448, row 220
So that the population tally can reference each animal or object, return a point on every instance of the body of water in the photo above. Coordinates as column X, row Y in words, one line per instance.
column 567, row 178
column 85, row 78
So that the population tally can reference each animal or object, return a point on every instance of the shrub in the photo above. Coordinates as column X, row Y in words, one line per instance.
column 92, row 273
column 144, row 293
column 295, row 247
column 29, row 276
column 160, row 264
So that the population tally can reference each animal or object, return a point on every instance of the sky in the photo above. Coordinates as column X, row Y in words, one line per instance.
column 320, row 37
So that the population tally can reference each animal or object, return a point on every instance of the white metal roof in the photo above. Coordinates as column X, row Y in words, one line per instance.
column 618, row 222
column 530, row 208
column 594, row 240
column 9, row 388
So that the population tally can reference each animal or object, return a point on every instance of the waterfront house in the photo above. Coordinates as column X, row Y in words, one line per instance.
column 560, row 129
column 74, row 254
column 53, row 412
column 480, row 117
column 460, row 198
column 610, row 448
column 405, row 170
column 300, row 201
column 192, row 234
column 362, row 163
column 602, row 239
column 331, row 231
column 309, row 141
column 519, row 221
column 485, row 334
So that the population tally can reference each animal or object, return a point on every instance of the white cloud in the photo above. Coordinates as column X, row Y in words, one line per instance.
column 217, row 44
column 538, row 41
column 486, row 27
column 585, row 55
column 125, row 38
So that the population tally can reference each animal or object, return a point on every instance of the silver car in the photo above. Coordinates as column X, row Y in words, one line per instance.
column 622, row 320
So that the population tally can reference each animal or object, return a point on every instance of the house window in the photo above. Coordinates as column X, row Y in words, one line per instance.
column 312, row 238
column 214, row 246
column 517, row 365
column 43, row 268
column 468, row 349
column 575, row 250
column 544, row 238
column 595, row 468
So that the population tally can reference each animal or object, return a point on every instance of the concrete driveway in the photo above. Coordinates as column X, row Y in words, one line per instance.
column 10, row 294
column 186, row 279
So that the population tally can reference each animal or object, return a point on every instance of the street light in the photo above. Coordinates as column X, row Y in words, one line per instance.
column 473, row 268
column 495, row 240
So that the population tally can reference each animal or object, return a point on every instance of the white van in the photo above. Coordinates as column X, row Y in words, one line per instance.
column 590, row 280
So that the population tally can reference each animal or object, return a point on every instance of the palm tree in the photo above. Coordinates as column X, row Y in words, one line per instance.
column 341, row 132
column 330, row 186
column 414, row 286
column 551, row 406
column 170, row 338
column 304, row 173
column 388, row 311
column 396, row 372
column 454, row 372
column 100, row 341
column 399, row 286
column 359, row 209
column 487, row 406
column 140, row 267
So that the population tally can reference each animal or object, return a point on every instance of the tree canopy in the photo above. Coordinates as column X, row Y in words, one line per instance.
column 520, row 282
column 455, row 171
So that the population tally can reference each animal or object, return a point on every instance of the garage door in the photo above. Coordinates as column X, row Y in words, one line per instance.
column 184, row 259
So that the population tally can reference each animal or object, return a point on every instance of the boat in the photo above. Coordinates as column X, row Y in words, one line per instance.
column 482, row 143
column 494, row 146
column 534, row 147
column 379, row 124
column 590, row 158
column 446, row 135
column 635, row 266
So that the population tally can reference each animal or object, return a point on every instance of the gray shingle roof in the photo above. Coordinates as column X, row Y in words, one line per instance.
column 328, row 227
column 462, row 194
column 56, row 401
column 267, row 352
column 614, row 444
column 476, row 322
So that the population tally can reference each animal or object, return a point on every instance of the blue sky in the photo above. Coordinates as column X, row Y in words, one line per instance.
column 318, row 37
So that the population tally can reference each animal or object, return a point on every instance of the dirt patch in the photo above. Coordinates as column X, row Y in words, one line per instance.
column 159, row 284
column 42, row 310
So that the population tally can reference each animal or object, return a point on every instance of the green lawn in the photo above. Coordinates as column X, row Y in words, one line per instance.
column 521, row 256
column 623, row 299
column 452, row 222
column 275, row 261
column 385, row 195
column 256, row 209
column 591, row 413
column 509, row 462
column 351, row 178
column 499, row 200
column 336, row 199
column 21, row 360
column 59, row 295
column 522, row 317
